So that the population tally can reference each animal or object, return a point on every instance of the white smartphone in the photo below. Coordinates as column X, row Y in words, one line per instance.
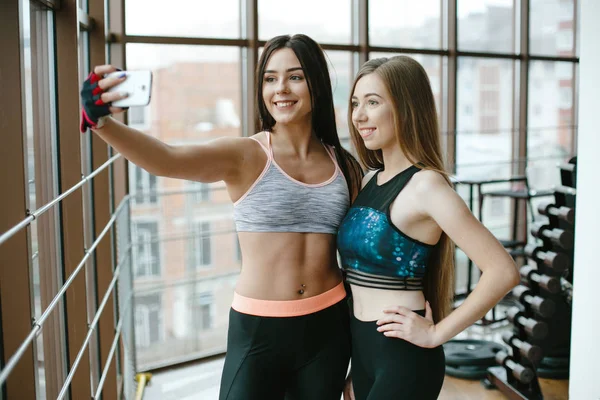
column 139, row 86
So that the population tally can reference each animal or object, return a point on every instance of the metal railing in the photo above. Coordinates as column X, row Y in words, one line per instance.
column 122, row 272
column 33, row 215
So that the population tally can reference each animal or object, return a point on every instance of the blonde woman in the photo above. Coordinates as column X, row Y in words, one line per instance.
column 396, row 242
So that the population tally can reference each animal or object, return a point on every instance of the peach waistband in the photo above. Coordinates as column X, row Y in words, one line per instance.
column 288, row 308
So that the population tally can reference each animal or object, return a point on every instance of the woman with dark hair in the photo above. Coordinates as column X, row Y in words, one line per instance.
column 396, row 242
column 291, row 185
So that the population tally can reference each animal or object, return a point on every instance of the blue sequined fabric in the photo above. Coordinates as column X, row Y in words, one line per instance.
column 369, row 243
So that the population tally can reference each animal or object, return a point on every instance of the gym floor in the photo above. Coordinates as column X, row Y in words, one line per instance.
column 462, row 389
column 200, row 380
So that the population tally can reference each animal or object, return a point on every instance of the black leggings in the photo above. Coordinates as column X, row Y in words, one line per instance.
column 386, row 368
column 296, row 358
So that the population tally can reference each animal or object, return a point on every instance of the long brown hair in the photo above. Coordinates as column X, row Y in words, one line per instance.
column 314, row 64
column 417, row 132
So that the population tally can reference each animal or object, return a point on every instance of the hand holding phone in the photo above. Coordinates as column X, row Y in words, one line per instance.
column 108, row 90
column 138, row 86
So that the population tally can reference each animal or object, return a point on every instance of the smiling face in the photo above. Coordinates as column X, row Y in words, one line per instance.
column 372, row 113
column 285, row 90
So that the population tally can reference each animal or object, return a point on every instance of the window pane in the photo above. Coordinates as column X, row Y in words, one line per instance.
column 486, row 26
column 148, row 320
column 551, row 120
column 405, row 23
column 146, row 249
column 484, row 139
column 185, row 18
column 196, row 90
column 324, row 21
column 340, row 71
column 551, row 27
column 200, row 248
column 196, row 97
column 484, row 118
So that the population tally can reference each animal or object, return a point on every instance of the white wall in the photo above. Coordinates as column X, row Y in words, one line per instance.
column 584, row 381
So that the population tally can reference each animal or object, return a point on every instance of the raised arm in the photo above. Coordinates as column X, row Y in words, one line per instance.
column 219, row 159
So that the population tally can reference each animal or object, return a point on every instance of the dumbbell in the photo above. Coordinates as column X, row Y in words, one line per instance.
column 568, row 174
column 530, row 351
column 540, row 305
column 521, row 373
column 557, row 261
column 560, row 237
column 566, row 214
column 535, row 329
column 548, row 283
column 566, row 190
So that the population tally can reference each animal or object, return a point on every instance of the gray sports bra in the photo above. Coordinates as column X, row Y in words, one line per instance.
column 276, row 202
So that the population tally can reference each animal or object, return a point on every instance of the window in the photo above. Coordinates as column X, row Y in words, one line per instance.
column 486, row 26
column 203, row 311
column 185, row 18
column 484, row 133
column 144, row 185
column 550, row 132
column 206, row 79
column 551, row 27
column 200, row 249
column 340, row 72
column 324, row 21
column 148, row 319
column 146, row 253
column 405, row 23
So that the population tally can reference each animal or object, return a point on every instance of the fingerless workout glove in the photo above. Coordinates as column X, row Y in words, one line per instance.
column 93, row 107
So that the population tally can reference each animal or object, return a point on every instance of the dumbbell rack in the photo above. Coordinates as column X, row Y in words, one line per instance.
column 540, row 341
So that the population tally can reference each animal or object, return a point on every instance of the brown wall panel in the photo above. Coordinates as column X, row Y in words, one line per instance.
column 16, row 307
column 102, row 214
column 67, row 35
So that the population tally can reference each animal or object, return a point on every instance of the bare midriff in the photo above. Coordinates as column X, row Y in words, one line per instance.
column 369, row 303
column 287, row 266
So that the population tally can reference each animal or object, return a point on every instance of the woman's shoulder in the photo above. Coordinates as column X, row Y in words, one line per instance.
column 427, row 181
column 258, row 138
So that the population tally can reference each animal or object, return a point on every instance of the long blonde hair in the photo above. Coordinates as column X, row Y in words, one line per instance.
column 417, row 131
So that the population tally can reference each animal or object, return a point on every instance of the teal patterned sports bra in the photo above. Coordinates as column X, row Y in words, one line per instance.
column 374, row 252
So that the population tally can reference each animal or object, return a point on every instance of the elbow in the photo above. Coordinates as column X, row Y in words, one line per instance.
column 514, row 277
column 151, row 168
